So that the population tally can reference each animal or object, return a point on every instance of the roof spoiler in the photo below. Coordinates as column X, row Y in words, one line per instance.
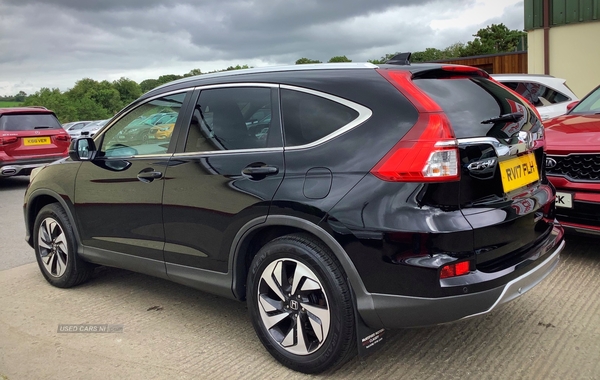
column 399, row 59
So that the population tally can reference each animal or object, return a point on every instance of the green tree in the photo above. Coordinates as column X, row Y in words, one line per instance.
column 454, row 50
column 339, row 58
column 20, row 97
column 495, row 38
column 148, row 84
column 383, row 59
column 128, row 89
column 193, row 72
column 236, row 67
column 430, row 54
column 304, row 61
column 54, row 100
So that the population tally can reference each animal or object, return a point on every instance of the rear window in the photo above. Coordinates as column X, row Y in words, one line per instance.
column 28, row 122
column 468, row 102
column 538, row 94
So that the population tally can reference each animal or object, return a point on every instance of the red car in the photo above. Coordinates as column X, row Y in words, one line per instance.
column 30, row 137
column 573, row 164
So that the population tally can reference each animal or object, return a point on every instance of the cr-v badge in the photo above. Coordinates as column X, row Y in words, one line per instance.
column 482, row 169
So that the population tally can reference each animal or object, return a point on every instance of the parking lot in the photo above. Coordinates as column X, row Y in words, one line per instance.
column 170, row 331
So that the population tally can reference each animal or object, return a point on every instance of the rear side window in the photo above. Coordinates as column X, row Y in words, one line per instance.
column 28, row 122
column 233, row 118
column 308, row 118
column 538, row 94
column 471, row 102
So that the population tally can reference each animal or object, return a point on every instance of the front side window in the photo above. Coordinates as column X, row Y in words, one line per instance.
column 232, row 118
column 145, row 130
column 538, row 94
column 308, row 118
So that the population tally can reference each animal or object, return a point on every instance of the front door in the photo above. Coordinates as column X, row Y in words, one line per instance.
column 124, row 186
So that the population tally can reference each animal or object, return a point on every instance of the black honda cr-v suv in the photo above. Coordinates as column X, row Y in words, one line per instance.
column 335, row 199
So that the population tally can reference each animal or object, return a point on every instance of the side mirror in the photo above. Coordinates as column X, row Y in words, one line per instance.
column 82, row 149
column 572, row 105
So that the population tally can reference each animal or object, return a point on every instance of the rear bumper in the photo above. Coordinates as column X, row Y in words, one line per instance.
column 394, row 311
column 24, row 167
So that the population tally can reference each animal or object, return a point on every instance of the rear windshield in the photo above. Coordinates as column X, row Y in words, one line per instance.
column 470, row 102
column 28, row 122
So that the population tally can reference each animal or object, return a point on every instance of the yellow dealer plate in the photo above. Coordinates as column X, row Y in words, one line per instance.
column 36, row 141
column 518, row 172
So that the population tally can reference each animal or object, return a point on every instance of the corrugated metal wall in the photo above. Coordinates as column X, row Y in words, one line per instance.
column 562, row 12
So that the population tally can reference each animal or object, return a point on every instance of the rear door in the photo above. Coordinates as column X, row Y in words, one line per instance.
column 502, row 190
column 224, row 174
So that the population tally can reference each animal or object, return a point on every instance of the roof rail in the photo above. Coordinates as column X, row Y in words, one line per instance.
column 41, row 107
column 400, row 59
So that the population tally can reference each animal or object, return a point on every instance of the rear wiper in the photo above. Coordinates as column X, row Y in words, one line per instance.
column 515, row 116
column 42, row 127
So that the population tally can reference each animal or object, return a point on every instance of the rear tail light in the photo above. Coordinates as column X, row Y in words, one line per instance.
column 457, row 269
column 62, row 137
column 429, row 151
column 8, row 140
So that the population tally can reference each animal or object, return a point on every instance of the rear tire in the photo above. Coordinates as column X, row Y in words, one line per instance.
column 300, row 304
column 55, row 248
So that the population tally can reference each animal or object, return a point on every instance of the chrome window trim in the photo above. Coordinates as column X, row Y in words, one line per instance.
column 149, row 156
column 364, row 114
column 232, row 151
column 240, row 84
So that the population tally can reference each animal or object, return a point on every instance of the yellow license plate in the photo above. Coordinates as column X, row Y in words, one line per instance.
column 518, row 172
column 36, row 141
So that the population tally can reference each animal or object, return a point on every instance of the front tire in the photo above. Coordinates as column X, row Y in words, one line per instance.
column 55, row 248
column 300, row 304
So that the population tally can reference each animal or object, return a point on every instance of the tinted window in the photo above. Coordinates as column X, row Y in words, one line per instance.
column 590, row 104
column 27, row 122
column 469, row 102
column 308, row 118
column 137, row 133
column 232, row 118
column 538, row 94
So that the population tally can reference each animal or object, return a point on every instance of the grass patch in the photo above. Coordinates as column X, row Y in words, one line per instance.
column 4, row 104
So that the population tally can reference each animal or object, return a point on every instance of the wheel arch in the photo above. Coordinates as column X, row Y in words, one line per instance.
column 258, row 232
column 36, row 201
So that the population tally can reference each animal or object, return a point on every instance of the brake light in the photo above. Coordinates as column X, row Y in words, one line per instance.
column 62, row 137
column 428, row 153
column 457, row 269
column 8, row 140
column 466, row 69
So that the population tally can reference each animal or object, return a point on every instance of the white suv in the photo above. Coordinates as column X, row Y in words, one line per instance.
column 548, row 94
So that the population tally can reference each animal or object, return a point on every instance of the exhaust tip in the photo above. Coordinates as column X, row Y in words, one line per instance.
column 8, row 171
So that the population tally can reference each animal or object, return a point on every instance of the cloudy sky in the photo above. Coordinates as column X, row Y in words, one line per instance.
column 54, row 43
